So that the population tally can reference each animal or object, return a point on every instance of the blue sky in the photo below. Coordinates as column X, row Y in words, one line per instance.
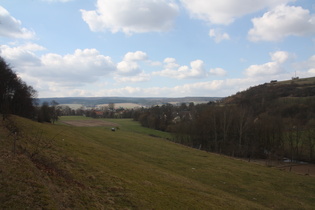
column 156, row 48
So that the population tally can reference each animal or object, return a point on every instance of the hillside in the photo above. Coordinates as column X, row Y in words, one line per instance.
column 269, row 92
column 292, row 101
column 61, row 167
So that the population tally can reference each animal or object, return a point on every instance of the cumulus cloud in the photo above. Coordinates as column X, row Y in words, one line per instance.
column 271, row 68
column 279, row 56
column 174, row 70
column 226, row 11
column 131, row 16
column 52, row 73
column 135, row 56
column 21, row 56
column 128, row 68
column 83, row 66
column 282, row 21
column 218, row 35
column 129, row 65
column 170, row 63
column 12, row 28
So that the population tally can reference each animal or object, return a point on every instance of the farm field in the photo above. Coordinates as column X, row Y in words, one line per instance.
column 122, row 105
column 64, row 166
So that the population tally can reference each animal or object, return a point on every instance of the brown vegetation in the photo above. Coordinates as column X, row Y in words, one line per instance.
column 90, row 123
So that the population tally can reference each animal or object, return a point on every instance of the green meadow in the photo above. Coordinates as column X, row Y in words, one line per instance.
column 66, row 167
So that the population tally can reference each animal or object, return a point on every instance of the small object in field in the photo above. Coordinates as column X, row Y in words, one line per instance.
column 113, row 129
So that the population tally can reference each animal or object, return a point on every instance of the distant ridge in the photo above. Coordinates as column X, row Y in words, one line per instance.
column 145, row 101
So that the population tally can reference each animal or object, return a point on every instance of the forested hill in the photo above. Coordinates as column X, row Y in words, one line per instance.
column 272, row 120
column 288, row 98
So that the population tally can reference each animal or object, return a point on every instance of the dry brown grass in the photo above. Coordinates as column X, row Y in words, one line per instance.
column 90, row 123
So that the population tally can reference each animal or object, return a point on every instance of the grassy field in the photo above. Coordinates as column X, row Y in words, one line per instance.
column 66, row 167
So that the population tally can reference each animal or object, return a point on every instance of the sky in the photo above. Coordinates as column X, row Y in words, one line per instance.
column 156, row 48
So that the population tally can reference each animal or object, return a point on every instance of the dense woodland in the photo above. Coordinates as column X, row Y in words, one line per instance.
column 270, row 121
column 16, row 97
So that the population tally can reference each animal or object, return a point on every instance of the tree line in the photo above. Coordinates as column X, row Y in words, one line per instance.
column 16, row 97
column 260, row 123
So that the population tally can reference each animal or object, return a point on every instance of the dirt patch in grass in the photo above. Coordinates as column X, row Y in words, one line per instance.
column 303, row 169
column 298, row 168
column 90, row 123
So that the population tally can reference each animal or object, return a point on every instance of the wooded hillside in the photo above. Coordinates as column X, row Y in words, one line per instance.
column 272, row 120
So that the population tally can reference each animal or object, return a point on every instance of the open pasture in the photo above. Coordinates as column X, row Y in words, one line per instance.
column 134, row 168
column 89, row 123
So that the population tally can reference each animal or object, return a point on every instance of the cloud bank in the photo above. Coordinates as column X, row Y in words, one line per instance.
column 174, row 70
column 131, row 16
column 226, row 11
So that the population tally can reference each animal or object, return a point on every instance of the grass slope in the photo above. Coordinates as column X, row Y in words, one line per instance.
column 60, row 166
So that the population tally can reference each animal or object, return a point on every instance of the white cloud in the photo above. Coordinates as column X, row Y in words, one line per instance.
column 264, row 69
column 131, row 16
column 141, row 77
column 281, row 22
column 154, row 63
column 122, row 91
column 174, row 70
column 128, row 68
column 218, row 35
column 280, row 56
column 11, row 27
column 311, row 62
column 135, row 56
column 270, row 68
column 219, row 88
column 218, row 72
column 51, row 74
column 21, row 56
column 226, row 11
column 306, row 66
column 83, row 66
column 129, row 65
column 213, row 88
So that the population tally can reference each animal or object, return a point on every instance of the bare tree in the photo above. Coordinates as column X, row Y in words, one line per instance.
column 310, row 136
